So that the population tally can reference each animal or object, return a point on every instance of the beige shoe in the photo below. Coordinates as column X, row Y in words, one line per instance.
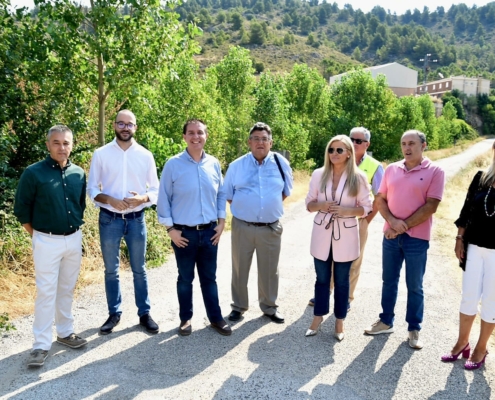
column 414, row 340
column 37, row 358
column 378, row 328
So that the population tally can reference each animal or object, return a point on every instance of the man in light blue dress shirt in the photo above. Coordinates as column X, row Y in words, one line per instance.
column 191, row 205
column 256, row 185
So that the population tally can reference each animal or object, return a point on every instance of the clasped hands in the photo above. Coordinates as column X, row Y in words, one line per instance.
column 397, row 227
column 129, row 202
column 333, row 207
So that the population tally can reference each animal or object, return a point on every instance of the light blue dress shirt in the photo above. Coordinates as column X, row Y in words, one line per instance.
column 256, row 189
column 190, row 192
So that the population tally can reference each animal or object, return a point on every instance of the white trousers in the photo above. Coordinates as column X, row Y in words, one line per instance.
column 57, row 261
column 478, row 283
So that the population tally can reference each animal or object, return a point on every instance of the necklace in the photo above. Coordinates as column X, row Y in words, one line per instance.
column 486, row 209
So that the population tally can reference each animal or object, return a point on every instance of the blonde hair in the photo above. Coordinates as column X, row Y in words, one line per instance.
column 488, row 176
column 351, row 167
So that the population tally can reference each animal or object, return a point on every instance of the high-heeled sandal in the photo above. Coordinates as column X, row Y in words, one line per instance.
column 466, row 351
column 339, row 335
column 471, row 365
column 313, row 332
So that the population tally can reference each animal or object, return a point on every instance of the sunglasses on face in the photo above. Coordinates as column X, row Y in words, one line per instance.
column 122, row 125
column 358, row 141
column 339, row 150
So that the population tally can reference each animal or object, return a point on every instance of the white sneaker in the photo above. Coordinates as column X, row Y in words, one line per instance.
column 414, row 340
column 379, row 327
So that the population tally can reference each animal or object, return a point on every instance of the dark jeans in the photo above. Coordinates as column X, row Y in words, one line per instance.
column 322, row 286
column 395, row 252
column 200, row 252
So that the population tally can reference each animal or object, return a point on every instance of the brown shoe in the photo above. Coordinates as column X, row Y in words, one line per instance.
column 185, row 328
column 222, row 327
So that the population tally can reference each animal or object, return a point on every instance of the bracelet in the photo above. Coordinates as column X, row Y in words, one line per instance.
column 170, row 229
column 458, row 237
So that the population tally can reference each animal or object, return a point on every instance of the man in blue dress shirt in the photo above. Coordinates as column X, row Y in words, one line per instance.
column 256, row 185
column 191, row 205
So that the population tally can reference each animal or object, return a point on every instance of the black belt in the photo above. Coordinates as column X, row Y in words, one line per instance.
column 131, row 215
column 199, row 227
column 59, row 234
column 260, row 223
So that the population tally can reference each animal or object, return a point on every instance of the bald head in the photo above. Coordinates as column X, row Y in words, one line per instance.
column 128, row 114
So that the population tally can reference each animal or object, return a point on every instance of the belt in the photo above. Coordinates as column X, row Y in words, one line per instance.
column 59, row 234
column 260, row 223
column 131, row 215
column 199, row 227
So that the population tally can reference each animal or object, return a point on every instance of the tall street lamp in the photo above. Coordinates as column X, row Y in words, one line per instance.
column 426, row 68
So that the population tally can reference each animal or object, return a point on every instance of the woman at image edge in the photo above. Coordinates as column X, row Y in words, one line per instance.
column 478, row 280
column 338, row 193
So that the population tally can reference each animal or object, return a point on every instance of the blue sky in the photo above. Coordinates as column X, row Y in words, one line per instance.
column 366, row 5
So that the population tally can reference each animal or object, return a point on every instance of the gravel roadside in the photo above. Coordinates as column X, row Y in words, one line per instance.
column 261, row 359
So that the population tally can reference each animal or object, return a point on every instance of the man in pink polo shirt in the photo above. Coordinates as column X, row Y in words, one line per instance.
column 408, row 197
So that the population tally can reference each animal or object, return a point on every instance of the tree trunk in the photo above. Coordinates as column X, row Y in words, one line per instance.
column 101, row 102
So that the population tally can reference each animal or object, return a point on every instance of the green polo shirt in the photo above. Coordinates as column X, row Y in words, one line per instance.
column 52, row 199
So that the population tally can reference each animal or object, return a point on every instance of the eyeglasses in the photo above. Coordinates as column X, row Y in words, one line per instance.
column 358, row 141
column 122, row 125
column 339, row 150
column 260, row 139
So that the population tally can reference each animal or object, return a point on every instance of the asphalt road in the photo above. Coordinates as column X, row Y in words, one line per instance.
column 261, row 360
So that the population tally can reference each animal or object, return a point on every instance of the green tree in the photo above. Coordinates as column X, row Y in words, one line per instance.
column 100, row 49
column 361, row 100
column 257, row 34
column 236, row 21
column 234, row 83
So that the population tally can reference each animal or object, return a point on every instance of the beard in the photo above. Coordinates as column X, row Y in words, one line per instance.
column 124, row 139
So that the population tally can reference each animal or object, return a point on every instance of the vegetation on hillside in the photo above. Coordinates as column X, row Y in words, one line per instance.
column 461, row 39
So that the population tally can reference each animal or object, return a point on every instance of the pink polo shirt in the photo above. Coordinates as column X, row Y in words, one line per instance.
column 407, row 191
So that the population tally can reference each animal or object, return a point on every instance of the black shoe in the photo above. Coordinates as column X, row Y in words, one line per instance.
column 150, row 325
column 235, row 315
column 110, row 323
column 277, row 318
column 222, row 327
column 185, row 328
column 311, row 302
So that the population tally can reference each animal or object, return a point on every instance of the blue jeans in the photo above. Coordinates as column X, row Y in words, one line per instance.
column 202, row 253
column 112, row 230
column 322, row 286
column 395, row 251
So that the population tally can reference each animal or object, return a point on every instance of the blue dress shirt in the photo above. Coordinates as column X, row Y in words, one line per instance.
column 190, row 192
column 256, row 189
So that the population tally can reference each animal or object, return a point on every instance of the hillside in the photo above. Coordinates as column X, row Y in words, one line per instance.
column 280, row 33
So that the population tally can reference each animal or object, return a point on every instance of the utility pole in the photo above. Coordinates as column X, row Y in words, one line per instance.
column 426, row 68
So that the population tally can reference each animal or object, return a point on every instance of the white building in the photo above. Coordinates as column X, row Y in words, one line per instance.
column 400, row 79
column 469, row 86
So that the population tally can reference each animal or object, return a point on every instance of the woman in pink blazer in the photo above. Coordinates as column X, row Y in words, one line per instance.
column 338, row 193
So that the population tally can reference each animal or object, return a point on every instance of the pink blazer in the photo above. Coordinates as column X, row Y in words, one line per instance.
column 342, row 233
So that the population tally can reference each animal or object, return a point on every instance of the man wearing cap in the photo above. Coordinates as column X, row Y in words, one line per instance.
column 256, row 185
column 191, row 205
column 49, row 203
column 123, row 182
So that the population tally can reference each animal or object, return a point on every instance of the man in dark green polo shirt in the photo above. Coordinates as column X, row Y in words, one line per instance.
column 49, row 203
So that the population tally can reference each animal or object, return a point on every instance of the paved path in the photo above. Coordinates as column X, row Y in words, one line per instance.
column 261, row 360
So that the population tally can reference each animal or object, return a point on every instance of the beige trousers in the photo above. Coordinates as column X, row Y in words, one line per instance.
column 356, row 265
column 266, row 240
